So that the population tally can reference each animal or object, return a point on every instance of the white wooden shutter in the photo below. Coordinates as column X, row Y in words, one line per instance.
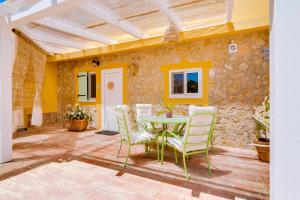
column 82, row 86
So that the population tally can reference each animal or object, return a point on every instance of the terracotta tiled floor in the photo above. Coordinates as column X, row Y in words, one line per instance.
column 51, row 163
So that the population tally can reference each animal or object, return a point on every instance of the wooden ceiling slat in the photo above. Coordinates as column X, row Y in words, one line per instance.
column 144, row 15
column 27, row 38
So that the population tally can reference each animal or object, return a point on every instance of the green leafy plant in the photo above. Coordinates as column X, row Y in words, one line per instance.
column 262, row 117
column 167, row 108
column 76, row 113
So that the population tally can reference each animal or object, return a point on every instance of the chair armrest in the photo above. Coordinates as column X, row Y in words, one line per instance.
column 142, row 125
column 172, row 134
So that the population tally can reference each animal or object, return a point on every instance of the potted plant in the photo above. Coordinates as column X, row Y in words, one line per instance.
column 168, row 110
column 76, row 119
column 262, row 118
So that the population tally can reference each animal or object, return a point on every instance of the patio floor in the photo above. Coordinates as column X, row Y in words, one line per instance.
column 52, row 163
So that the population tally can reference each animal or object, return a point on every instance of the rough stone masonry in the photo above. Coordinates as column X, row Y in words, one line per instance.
column 237, row 82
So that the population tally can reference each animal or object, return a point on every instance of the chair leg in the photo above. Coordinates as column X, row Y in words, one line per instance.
column 149, row 147
column 119, row 149
column 176, row 156
column 162, row 150
column 146, row 147
column 125, row 164
column 208, row 164
column 212, row 142
column 157, row 147
column 185, row 169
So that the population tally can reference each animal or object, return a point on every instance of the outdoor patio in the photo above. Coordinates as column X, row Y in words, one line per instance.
column 50, row 162
column 81, row 78
column 149, row 99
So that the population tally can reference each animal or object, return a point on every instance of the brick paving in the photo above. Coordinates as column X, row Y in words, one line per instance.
column 52, row 163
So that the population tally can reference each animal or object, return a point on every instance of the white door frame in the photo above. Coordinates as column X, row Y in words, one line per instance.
column 103, row 86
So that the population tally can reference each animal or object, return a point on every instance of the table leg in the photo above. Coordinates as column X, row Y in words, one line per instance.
column 157, row 146
column 162, row 147
column 182, row 127
column 157, row 140
column 165, row 130
column 160, row 151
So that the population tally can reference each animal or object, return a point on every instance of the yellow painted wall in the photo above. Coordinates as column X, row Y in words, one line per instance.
column 250, row 13
column 205, row 65
column 49, row 90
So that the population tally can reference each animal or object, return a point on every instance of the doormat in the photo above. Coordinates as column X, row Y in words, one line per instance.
column 110, row 133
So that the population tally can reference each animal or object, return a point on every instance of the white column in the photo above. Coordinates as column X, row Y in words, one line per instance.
column 6, row 62
column 285, row 100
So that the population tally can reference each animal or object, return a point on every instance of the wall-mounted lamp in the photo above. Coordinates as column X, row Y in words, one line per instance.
column 95, row 62
column 133, row 69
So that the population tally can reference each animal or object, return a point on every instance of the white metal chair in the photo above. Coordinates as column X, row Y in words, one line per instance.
column 141, row 111
column 193, row 108
column 197, row 136
column 127, row 135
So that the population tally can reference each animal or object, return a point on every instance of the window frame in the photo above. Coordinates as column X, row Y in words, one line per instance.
column 185, row 94
column 89, row 98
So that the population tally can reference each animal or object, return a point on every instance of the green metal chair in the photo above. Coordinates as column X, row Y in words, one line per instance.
column 196, row 139
column 193, row 108
column 143, row 110
column 127, row 135
column 146, row 110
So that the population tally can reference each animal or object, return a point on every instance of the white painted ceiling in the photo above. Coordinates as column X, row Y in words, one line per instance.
column 95, row 23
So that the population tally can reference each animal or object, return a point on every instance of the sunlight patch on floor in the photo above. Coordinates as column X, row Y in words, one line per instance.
column 75, row 178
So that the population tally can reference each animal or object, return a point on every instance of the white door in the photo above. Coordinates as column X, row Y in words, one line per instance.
column 111, row 95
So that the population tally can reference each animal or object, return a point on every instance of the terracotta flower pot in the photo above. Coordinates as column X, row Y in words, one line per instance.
column 263, row 151
column 169, row 115
column 76, row 125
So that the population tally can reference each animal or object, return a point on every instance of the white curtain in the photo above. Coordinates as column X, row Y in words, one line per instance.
column 39, row 63
column 21, row 63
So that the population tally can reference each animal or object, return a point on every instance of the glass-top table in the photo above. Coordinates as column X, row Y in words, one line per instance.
column 164, row 120
column 178, row 122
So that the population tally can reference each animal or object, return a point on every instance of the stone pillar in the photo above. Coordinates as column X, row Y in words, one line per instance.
column 6, row 65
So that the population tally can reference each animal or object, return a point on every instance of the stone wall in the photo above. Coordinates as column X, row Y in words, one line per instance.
column 92, row 110
column 237, row 82
column 48, row 118
column 66, row 92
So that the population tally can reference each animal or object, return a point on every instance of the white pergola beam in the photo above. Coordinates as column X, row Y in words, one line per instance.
column 55, row 49
column 164, row 9
column 69, row 27
column 43, row 37
column 229, row 10
column 6, row 66
column 3, row 21
column 42, row 9
column 99, row 10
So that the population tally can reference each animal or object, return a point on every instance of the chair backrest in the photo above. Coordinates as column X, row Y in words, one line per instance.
column 199, row 128
column 142, row 110
column 193, row 109
column 124, row 125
